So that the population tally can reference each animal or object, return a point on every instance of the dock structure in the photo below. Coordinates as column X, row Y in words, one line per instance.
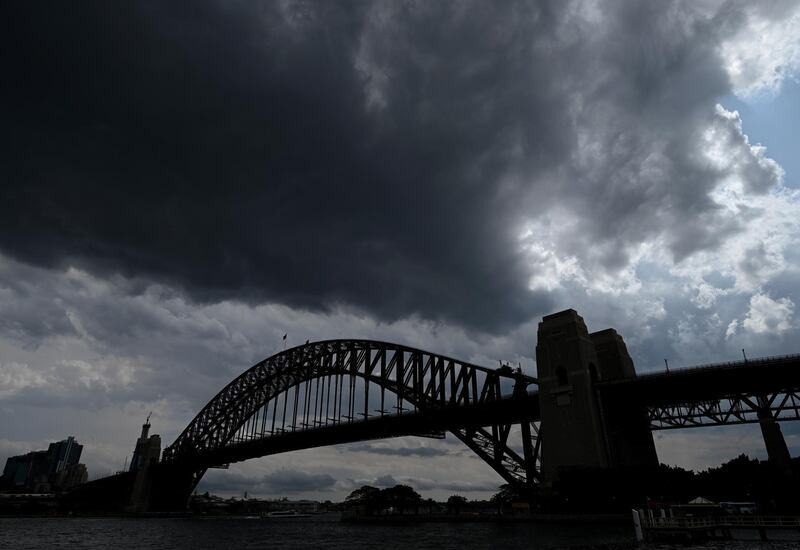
column 720, row 527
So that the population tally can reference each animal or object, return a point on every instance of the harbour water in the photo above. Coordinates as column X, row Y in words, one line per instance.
column 321, row 532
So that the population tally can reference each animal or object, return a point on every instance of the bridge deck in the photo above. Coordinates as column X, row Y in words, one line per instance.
column 427, row 422
column 707, row 382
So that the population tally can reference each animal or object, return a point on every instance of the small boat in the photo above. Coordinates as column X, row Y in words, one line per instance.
column 284, row 514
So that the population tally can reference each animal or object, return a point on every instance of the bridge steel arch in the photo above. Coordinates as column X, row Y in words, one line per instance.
column 431, row 394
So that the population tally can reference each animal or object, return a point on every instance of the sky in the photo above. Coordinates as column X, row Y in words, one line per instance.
column 182, row 184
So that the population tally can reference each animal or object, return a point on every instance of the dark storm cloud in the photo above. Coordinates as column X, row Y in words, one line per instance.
column 235, row 150
column 381, row 155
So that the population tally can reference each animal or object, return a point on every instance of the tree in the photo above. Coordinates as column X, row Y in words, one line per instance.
column 506, row 495
column 401, row 497
column 456, row 503
column 363, row 494
column 366, row 496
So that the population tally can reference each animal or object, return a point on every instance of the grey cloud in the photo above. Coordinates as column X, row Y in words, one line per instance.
column 275, row 483
column 148, row 342
column 467, row 486
column 712, row 446
column 27, row 311
column 68, row 383
column 399, row 451
column 118, row 346
column 296, row 482
column 386, row 481
column 289, row 482
column 424, row 484
column 643, row 103
column 661, row 319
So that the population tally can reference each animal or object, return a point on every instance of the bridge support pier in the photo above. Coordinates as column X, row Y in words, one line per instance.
column 566, row 359
column 777, row 450
column 582, row 430
column 630, row 440
column 528, row 450
column 140, row 492
column 171, row 486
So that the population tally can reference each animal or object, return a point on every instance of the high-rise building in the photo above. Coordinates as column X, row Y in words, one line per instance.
column 62, row 454
column 70, row 476
column 28, row 472
column 44, row 471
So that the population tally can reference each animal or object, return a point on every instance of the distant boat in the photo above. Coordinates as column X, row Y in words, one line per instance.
column 284, row 514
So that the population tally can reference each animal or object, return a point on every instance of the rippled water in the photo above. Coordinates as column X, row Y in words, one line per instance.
column 123, row 533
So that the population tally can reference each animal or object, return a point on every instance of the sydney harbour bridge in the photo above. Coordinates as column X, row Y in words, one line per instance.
column 587, row 408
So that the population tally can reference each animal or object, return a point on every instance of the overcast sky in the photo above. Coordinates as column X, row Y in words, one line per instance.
column 183, row 183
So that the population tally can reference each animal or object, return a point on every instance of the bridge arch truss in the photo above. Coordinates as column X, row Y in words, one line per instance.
column 348, row 390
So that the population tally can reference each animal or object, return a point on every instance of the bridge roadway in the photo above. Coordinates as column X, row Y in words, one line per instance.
column 707, row 382
column 431, row 422
column 741, row 392
column 709, row 385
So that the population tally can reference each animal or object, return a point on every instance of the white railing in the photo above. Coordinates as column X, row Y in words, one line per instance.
column 722, row 521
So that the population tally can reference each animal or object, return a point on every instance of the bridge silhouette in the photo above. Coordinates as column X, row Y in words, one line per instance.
column 586, row 409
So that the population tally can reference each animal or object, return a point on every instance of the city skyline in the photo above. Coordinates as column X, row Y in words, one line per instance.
column 185, row 185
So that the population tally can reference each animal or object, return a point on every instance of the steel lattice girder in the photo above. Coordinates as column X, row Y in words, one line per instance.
column 492, row 447
column 732, row 409
column 426, row 381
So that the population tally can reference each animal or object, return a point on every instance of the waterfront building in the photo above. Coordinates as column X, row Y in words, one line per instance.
column 57, row 468
column 27, row 472
column 70, row 476
column 62, row 454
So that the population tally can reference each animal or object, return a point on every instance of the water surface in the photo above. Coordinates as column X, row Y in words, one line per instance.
column 320, row 532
